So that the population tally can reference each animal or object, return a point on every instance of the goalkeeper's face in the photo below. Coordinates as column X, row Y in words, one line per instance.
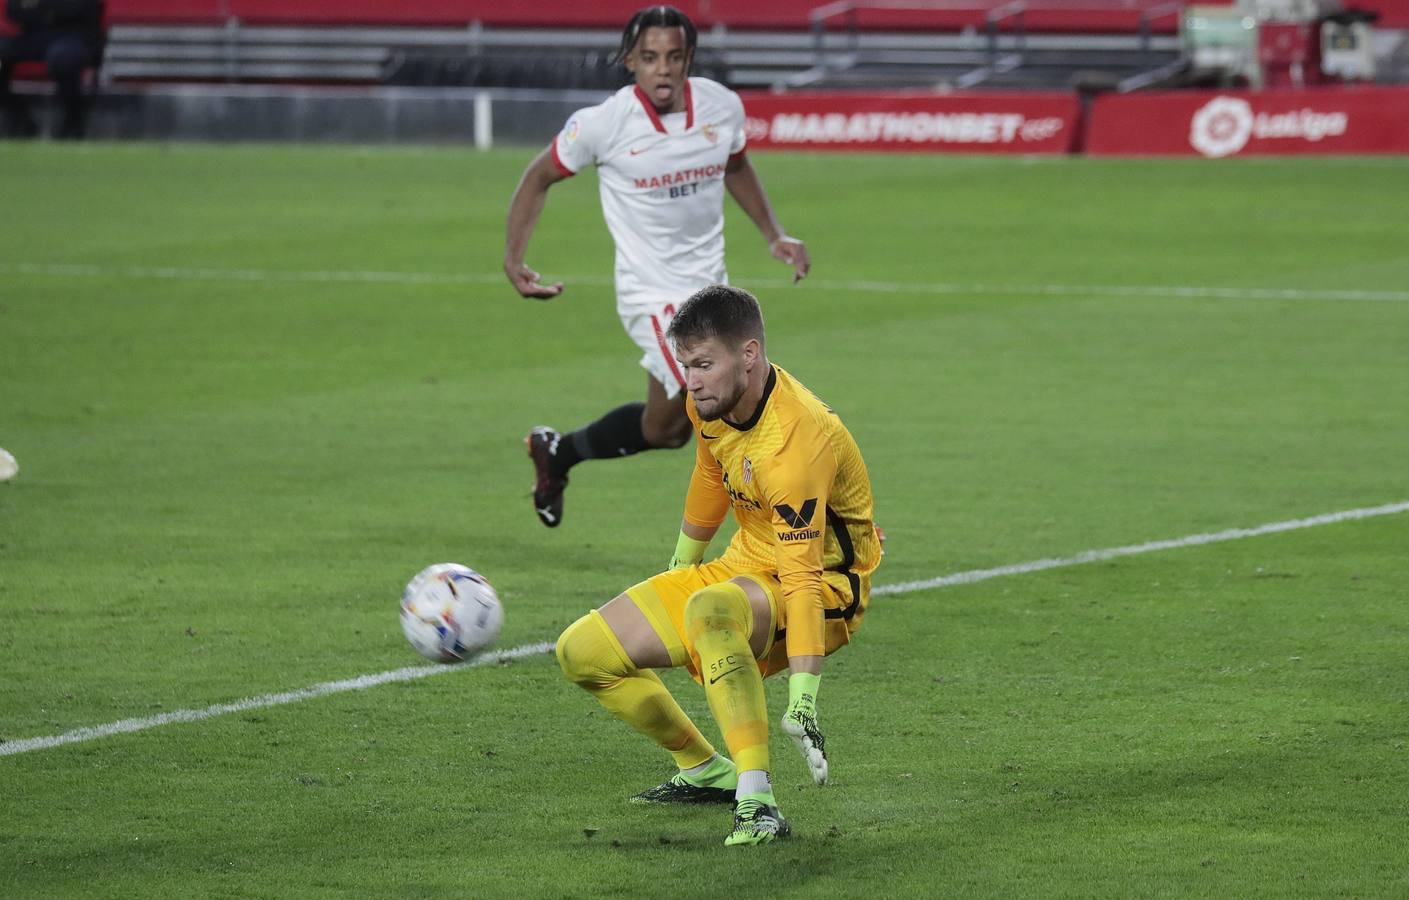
column 717, row 373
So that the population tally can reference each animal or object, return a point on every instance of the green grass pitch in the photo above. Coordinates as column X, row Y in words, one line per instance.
column 253, row 390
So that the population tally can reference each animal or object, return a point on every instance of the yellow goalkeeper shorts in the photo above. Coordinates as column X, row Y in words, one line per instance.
column 661, row 598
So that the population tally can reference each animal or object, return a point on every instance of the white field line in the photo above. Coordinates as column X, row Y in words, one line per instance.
column 1194, row 292
column 1090, row 556
column 362, row 682
column 125, row 726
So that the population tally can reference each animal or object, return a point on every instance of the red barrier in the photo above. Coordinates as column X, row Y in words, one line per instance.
column 1030, row 122
column 1336, row 120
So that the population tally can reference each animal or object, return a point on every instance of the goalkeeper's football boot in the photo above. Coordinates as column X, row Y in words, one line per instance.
column 756, row 822
column 678, row 790
column 548, row 486
column 801, row 726
column 715, row 783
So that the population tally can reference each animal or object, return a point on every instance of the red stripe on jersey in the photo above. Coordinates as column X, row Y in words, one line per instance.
column 665, row 351
column 650, row 109
column 558, row 160
column 689, row 107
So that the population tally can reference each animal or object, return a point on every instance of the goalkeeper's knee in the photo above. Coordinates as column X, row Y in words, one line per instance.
column 589, row 655
column 718, row 608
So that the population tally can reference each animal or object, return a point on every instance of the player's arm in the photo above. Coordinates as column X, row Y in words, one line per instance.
column 706, row 504
column 796, row 493
column 524, row 209
column 744, row 186
column 797, row 488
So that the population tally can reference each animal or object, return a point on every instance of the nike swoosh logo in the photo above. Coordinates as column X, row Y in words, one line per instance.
column 722, row 674
column 635, row 152
column 710, row 437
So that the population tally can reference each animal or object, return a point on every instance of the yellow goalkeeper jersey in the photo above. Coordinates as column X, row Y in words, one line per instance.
column 802, row 497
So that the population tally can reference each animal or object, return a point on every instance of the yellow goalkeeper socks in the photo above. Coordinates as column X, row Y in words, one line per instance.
column 716, row 772
column 592, row 658
column 719, row 620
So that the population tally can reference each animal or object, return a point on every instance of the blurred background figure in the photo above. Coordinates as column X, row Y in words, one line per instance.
column 66, row 36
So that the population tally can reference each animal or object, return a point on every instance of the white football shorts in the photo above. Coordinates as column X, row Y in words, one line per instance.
column 645, row 323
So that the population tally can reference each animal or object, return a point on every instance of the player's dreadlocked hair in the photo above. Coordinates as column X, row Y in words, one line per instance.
column 721, row 311
column 655, row 17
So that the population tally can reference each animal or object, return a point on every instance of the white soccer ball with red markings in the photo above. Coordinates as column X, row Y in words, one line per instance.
column 450, row 612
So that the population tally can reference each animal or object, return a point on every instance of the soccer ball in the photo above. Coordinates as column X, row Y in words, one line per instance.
column 450, row 612
column 8, row 467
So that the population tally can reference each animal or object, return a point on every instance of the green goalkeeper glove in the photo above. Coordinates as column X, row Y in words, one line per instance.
column 688, row 552
column 800, row 723
column 802, row 693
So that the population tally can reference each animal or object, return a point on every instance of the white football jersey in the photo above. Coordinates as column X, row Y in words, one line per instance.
column 662, row 185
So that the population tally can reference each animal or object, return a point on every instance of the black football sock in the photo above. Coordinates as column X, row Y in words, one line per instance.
column 618, row 433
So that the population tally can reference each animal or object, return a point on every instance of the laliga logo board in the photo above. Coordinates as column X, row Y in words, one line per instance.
column 1222, row 127
column 1225, row 125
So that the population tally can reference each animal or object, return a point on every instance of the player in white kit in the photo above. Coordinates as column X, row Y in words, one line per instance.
column 666, row 149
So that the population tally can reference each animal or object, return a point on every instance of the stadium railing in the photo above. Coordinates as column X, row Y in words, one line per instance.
column 1014, row 42
column 478, row 56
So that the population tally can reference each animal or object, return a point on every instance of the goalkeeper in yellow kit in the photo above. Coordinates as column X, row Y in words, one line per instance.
column 791, row 587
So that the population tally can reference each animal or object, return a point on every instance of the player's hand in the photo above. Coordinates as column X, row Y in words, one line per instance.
column 800, row 724
column 526, row 282
column 793, row 252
